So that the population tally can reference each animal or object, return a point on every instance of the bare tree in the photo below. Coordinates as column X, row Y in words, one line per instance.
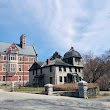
column 93, row 69
column 97, row 69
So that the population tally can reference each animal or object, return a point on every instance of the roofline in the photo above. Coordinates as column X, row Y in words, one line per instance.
column 54, row 65
column 71, row 57
column 34, row 50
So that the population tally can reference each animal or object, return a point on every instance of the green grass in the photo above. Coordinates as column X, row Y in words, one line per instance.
column 29, row 89
column 24, row 89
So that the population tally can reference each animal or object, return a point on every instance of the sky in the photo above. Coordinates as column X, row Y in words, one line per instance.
column 56, row 25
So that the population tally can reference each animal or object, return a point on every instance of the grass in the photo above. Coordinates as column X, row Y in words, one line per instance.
column 29, row 89
column 24, row 89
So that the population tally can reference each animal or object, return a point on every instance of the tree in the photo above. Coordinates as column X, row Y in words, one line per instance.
column 97, row 69
column 93, row 68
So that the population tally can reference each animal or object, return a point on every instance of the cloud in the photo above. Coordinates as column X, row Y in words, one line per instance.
column 83, row 24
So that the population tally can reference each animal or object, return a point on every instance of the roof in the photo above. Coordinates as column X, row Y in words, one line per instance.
column 29, row 50
column 56, row 62
column 36, row 66
column 72, row 53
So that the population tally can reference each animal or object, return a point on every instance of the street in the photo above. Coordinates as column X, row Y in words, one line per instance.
column 26, row 101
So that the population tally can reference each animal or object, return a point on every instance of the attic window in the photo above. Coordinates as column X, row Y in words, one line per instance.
column 13, row 48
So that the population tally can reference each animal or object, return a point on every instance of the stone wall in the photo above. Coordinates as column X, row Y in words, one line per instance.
column 72, row 90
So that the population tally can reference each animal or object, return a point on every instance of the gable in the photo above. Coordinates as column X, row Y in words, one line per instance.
column 35, row 66
column 13, row 48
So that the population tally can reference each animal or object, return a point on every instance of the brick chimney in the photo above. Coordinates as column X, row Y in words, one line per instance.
column 23, row 41
column 48, row 61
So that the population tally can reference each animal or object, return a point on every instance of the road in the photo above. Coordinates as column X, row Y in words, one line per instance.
column 26, row 101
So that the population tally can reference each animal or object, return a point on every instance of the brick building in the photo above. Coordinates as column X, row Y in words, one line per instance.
column 15, row 61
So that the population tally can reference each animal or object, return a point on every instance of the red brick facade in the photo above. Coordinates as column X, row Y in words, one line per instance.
column 14, row 66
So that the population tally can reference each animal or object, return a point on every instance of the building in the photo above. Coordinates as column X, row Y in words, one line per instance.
column 57, row 70
column 15, row 61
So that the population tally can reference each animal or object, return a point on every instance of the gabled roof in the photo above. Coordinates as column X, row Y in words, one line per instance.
column 36, row 66
column 56, row 62
column 29, row 50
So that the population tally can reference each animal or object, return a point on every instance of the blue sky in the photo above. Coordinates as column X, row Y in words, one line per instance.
column 56, row 25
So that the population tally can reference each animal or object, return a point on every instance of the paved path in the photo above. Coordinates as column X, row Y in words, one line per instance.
column 25, row 101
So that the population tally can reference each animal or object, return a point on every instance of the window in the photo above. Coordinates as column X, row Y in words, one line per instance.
column 20, row 67
column 30, row 59
column 65, row 79
column 60, row 68
column 4, row 78
column 70, row 69
column 79, row 69
column 13, row 67
column 20, row 78
column 80, row 78
column 50, row 80
column 13, row 48
column 60, row 78
column 50, row 68
column 4, row 57
column 77, row 60
column 33, row 72
column 64, row 68
column 41, row 70
column 75, row 69
column 20, row 58
column 12, row 57
column 36, row 72
column 4, row 67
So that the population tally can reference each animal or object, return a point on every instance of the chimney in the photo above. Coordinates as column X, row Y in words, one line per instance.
column 23, row 41
column 48, row 61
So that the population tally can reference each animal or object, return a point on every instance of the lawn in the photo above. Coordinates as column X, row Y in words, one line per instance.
column 24, row 89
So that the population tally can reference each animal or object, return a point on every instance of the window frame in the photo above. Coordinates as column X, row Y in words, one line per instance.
column 65, row 79
column 50, row 68
column 64, row 68
column 60, row 78
column 4, row 58
column 51, row 80
column 60, row 68
column 3, row 78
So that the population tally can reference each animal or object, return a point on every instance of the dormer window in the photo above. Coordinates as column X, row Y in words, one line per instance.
column 77, row 60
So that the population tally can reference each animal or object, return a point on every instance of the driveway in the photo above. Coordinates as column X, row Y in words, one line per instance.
column 26, row 101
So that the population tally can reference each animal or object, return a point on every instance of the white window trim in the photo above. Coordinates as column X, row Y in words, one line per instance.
column 19, row 78
column 3, row 67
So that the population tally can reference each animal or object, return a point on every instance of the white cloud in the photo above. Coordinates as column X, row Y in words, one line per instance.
column 83, row 24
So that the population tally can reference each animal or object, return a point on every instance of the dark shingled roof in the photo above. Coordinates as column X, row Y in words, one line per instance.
column 56, row 62
column 29, row 50
column 72, row 53
column 36, row 66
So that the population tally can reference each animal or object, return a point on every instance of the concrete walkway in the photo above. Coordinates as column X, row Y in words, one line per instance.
column 26, row 101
